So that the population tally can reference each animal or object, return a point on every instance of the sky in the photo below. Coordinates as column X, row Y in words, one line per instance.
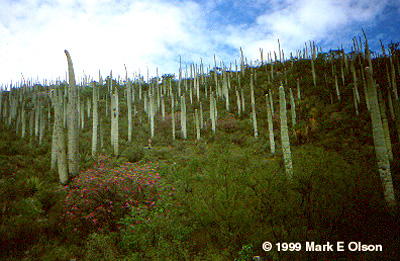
column 152, row 35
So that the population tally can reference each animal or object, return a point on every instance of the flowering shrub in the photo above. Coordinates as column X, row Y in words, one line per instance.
column 98, row 198
column 227, row 123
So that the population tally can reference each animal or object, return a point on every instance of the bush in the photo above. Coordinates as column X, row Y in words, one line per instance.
column 20, row 229
column 158, row 231
column 101, row 247
column 134, row 154
column 101, row 196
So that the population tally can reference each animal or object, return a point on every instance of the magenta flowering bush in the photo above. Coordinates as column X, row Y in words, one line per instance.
column 99, row 197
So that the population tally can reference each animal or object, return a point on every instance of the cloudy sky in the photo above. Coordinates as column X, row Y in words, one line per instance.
column 106, row 34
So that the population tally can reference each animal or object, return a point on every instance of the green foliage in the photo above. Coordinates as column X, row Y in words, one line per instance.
column 101, row 247
column 54, row 251
column 20, row 227
column 157, row 231
column 246, row 253
column 134, row 153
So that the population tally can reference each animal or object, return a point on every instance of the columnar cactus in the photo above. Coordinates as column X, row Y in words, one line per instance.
column 239, row 109
column 95, row 120
column 271, row 101
column 173, row 115
column 298, row 89
column 393, row 74
column 355, row 101
column 82, row 112
column 183, row 117
column 253, row 107
column 287, row 154
column 115, row 121
column 42, row 125
column 129, row 101
column 243, row 101
column 385, row 125
column 162, row 107
column 1, row 104
column 213, row 110
column 54, row 139
column 201, row 116
column 313, row 68
column 242, row 61
column 73, row 131
column 151, row 114
column 292, row 108
column 31, row 123
column 59, row 138
column 197, row 123
column 379, row 141
column 23, row 120
column 270, row 125
column 225, row 90
column 337, row 88
column 37, row 114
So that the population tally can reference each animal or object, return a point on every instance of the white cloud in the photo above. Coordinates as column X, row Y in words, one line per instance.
column 295, row 22
column 107, row 34
column 99, row 36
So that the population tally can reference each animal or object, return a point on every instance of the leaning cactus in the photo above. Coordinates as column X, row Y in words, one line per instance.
column 73, row 131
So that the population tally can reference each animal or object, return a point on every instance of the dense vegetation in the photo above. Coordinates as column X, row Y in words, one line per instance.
column 214, row 198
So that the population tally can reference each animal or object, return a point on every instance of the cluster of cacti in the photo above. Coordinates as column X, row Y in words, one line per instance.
column 186, row 99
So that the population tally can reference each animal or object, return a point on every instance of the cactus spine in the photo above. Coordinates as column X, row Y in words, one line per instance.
column 287, row 154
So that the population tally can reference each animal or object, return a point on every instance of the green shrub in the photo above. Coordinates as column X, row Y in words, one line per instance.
column 134, row 153
column 159, row 231
column 101, row 247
